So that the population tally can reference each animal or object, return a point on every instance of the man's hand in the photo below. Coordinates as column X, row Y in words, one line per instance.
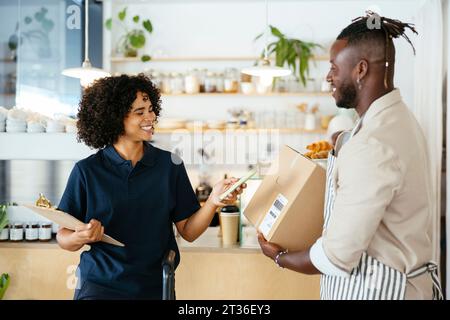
column 269, row 249
column 88, row 233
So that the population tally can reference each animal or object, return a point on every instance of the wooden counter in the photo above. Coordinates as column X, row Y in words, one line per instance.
column 207, row 271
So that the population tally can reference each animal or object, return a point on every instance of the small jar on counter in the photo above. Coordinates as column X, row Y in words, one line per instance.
column 32, row 231
column 4, row 234
column 45, row 231
column 16, row 231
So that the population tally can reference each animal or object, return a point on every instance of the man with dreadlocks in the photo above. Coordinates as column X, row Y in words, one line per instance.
column 376, row 242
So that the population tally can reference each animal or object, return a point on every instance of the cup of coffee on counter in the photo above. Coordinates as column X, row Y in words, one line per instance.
column 229, row 220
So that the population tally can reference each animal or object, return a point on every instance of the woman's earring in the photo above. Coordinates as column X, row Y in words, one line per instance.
column 359, row 84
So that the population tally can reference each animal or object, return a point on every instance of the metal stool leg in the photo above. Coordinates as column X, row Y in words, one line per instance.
column 168, row 266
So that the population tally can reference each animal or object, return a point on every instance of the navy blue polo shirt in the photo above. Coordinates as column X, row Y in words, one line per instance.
column 137, row 206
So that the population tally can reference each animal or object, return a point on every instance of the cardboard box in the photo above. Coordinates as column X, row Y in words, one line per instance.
column 288, row 205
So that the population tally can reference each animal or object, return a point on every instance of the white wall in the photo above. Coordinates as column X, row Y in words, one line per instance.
column 227, row 28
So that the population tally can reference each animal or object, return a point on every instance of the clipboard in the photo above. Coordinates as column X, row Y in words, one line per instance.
column 67, row 221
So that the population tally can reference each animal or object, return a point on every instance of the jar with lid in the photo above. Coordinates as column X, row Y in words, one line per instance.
column 45, row 231
column 219, row 82
column 32, row 231
column 165, row 83
column 191, row 82
column 157, row 80
column 210, row 82
column 231, row 80
column 201, row 78
column 4, row 234
column 176, row 83
column 16, row 231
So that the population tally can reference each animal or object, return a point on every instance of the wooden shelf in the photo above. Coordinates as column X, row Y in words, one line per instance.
column 241, row 131
column 180, row 59
column 274, row 94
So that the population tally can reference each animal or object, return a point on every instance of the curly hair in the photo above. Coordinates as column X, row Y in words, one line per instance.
column 105, row 105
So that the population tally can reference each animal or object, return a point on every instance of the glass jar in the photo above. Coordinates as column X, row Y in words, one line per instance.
column 176, row 83
column 201, row 79
column 219, row 82
column 157, row 80
column 191, row 82
column 231, row 80
column 32, row 231
column 165, row 83
column 4, row 234
column 210, row 82
column 45, row 231
column 16, row 231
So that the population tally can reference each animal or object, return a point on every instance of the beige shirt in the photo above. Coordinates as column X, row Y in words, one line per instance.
column 383, row 195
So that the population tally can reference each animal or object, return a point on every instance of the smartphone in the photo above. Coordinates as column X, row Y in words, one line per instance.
column 242, row 180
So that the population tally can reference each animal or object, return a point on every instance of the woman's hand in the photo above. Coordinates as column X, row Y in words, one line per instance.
column 88, row 233
column 223, row 186
column 269, row 249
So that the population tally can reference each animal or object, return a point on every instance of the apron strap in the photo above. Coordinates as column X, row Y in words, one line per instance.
column 432, row 269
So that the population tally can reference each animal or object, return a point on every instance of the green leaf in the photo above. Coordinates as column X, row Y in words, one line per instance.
column 258, row 36
column 28, row 20
column 13, row 42
column 47, row 25
column 108, row 24
column 145, row 58
column 38, row 16
column 4, row 283
column 276, row 32
column 137, row 39
column 122, row 14
column 136, row 19
column 147, row 25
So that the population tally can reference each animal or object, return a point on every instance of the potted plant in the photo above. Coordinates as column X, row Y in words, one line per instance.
column 133, row 39
column 295, row 53
column 39, row 35
column 3, row 216
column 4, row 283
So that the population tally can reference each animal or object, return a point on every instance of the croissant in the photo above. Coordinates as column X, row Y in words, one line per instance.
column 319, row 146
column 320, row 155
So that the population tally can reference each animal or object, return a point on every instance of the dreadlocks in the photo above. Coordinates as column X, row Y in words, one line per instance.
column 373, row 28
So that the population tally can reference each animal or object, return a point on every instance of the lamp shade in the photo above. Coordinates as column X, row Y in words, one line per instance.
column 87, row 74
column 266, row 71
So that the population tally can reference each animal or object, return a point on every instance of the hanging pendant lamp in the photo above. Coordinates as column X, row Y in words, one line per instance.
column 86, row 73
column 263, row 69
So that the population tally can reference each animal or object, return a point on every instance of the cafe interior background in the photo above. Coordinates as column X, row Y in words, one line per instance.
column 197, row 50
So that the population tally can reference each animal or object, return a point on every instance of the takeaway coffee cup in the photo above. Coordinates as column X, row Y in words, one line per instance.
column 229, row 220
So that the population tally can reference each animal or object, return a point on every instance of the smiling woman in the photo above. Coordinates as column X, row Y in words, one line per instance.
column 131, row 190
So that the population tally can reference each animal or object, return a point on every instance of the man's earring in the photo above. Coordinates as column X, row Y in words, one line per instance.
column 359, row 84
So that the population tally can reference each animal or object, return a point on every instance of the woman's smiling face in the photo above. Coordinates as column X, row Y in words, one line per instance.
column 140, row 121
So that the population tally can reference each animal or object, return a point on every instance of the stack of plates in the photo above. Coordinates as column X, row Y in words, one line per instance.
column 35, row 127
column 55, row 126
column 71, row 128
column 15, row 125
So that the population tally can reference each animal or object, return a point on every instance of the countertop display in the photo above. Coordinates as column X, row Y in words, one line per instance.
column 207, row 271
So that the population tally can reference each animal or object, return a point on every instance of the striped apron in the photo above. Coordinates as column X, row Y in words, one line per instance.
column 371, row 279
